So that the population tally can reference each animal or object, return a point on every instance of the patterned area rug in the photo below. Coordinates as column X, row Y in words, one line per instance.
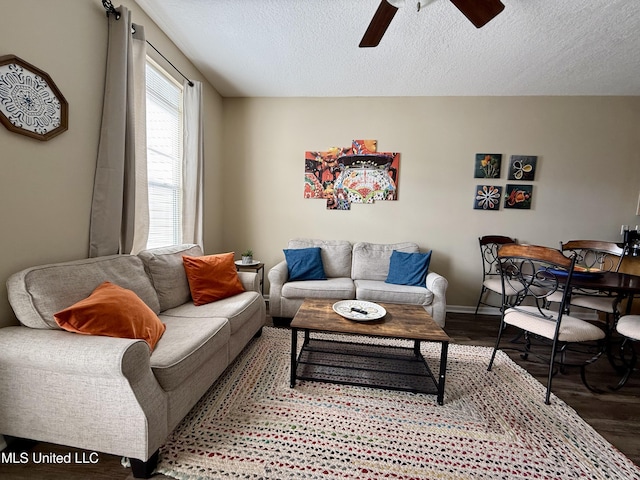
column 251, row 425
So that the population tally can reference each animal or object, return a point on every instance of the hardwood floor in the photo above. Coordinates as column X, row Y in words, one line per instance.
column 615, row 415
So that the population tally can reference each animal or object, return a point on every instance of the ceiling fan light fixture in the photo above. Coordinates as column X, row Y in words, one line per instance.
column 403, row 3
column 479, row 12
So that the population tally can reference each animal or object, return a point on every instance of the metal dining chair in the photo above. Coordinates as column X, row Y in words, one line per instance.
column 489, row 245
column 629, row 327
column 595, row 256
column 537, row 272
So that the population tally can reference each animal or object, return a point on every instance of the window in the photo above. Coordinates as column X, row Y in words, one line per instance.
column 164, row 157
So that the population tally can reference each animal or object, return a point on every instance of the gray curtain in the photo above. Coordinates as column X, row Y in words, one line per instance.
column 113, row 217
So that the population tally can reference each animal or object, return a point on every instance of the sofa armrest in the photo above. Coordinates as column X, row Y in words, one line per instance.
column 62, row 387
column 64, row 352
column 250, row 281
column 437, row 284
column 278, row 276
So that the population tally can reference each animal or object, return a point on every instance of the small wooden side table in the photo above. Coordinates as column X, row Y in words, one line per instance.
column 257, row 267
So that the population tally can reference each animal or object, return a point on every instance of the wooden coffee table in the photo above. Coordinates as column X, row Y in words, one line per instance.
column 364, row 364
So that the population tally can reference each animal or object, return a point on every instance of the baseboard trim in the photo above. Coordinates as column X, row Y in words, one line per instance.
column 471, row 309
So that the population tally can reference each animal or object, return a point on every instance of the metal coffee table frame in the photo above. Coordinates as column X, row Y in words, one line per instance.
column 364, row 364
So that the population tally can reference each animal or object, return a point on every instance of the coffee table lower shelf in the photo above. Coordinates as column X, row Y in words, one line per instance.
column 377, row 366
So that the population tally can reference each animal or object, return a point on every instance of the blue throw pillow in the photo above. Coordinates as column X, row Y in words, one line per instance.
column 304, row 264
column 408, row 268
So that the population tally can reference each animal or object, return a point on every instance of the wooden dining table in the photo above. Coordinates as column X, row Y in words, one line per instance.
column 624, row 285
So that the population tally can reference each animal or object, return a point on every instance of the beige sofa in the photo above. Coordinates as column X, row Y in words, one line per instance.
column 111, row 394
column 355, row 271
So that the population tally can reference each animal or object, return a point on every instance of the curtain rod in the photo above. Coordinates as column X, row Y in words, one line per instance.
column 108, row 6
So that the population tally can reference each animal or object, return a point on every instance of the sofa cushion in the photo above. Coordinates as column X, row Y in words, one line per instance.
column 37, row 293
column 185, row 346
column 408, row 268
column 238, row 309
column 336, row 255
column 378, row 291
column 112, row 311
column 304, row 264
column 166, row 270
column 212, row 277
column 371, row 260
column 340, row 288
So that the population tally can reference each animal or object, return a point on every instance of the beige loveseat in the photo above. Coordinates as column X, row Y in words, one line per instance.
column 110, row 394
column 355, row 271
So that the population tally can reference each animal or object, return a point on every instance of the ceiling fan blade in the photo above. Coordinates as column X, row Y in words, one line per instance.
column 379, row 24
column 479, row 12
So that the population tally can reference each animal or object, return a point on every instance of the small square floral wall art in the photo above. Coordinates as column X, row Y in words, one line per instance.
column 487, row 197
column 488, row 165
column 518, row 196
column 522, row 167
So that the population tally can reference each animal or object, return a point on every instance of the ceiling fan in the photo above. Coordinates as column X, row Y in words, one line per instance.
column 479, row 12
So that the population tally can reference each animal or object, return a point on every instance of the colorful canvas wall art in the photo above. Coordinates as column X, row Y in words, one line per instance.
column 522, row 167
column 488, row 165
column 487, row 197
column 355, row 174
column 518, row 196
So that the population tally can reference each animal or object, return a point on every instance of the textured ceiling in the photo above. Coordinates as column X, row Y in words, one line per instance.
column 309, row 48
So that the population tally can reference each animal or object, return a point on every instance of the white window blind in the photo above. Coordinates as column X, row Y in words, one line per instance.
column 164, row 158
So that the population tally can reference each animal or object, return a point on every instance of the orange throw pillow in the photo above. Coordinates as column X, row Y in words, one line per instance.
column 112, row 311
column 212, row 277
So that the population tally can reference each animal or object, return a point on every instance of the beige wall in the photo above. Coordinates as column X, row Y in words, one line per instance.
column 587, row 185
column 46, row 187
column 587, row 182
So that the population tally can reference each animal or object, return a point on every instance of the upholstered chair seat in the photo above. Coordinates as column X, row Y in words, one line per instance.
column 495, row 284
column 629, row 326
column 600, row 303
column 572, row 329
